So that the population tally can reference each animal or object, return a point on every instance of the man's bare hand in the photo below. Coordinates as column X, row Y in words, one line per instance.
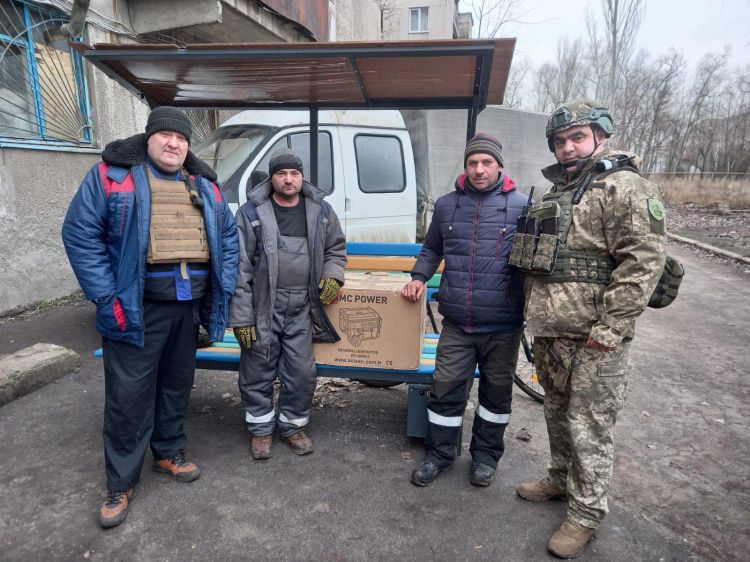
column 593, row 344
column 413, row 290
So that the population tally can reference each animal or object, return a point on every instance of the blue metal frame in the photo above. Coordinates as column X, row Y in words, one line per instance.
column 82, row 91
column 383, row 249
column 36, row 90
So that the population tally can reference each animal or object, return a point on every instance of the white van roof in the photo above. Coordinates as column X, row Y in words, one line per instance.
column 387, row 119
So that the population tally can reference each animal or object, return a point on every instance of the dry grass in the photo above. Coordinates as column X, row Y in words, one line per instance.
column 704, row 191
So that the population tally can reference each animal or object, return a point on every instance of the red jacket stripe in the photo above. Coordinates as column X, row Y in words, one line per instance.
column 111, row 186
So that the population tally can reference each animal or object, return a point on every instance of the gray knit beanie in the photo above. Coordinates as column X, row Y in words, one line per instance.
column 485, row 144
column 166, row 118
column 284, row 159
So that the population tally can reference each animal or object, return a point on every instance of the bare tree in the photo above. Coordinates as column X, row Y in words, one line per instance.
column 544, row 96
column 388, row 21
column 519, row 71
column 622, row 20
column 490, row 16
column 669, row 74
column 635, row 110
column 721, row 141
column 596, row 59
column 571, row 70
column 706, row 81
column 562, row 80
column 738, row 124
column 677, row 121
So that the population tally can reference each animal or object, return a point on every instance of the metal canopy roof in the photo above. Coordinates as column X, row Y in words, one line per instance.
column 396, row 75
column 458, row 74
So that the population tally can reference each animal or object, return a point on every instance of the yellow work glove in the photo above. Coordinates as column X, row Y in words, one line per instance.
column 245, row 336
column 329, row 290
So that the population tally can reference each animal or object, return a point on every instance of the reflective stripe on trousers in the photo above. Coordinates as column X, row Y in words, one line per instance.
column 299, row 422
column 290, row 359
column 457, row 356
column 445, row 421
column 485, row 414
column 265, row 418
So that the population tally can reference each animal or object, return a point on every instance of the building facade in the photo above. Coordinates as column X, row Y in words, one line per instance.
column 57, row 112
column 420, row 20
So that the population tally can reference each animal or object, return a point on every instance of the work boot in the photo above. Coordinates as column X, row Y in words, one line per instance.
column 540, row 491
column 481, row 474
column 570, row 540
column 181, row 469
column 300, row 443
column 261, row 447
column 426, row 473
column 115, row 508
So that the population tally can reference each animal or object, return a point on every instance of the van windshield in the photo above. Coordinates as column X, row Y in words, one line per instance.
column 227, row 148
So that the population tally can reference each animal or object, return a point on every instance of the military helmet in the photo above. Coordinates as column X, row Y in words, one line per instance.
column 577, row 112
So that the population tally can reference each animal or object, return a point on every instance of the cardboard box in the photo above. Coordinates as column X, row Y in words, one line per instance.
column 378, row 327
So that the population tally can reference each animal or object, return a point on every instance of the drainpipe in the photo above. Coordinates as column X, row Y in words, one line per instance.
column 72, row 29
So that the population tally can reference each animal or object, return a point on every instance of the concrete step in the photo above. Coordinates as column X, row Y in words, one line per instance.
column 33, row 367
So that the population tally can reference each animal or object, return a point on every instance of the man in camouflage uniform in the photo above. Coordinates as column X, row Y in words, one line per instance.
column 582, row 314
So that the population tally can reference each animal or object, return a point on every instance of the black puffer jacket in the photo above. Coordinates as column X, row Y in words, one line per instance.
column 473, row 231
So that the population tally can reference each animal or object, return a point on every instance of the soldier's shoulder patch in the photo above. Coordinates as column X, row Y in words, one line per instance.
column 656, row 209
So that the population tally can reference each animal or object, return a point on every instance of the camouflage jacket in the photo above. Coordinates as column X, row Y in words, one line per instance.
column 614, row 217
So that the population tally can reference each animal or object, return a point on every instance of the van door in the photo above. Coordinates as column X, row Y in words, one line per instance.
column 330, row 172
column 381, row 192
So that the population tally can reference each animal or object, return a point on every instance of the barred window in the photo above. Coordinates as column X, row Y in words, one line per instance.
column 43, row 90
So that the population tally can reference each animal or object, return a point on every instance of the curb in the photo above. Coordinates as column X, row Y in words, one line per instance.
column 714, row 249
column 34, row 367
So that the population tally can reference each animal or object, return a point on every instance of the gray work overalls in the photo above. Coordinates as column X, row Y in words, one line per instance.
column 291, row 355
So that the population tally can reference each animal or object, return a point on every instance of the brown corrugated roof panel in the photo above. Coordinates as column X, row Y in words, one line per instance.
column 427, row 74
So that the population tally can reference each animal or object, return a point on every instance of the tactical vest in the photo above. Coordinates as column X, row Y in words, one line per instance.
column 178, row 232
column 539, row 244
column 540, row 248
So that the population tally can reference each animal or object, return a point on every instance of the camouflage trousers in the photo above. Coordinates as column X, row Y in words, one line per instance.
column 581, row 413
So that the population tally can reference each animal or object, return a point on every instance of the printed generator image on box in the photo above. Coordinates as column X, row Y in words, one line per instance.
column 359, row 324
column 377, row 326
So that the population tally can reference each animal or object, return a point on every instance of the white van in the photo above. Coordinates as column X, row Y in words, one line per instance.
column 365, row 164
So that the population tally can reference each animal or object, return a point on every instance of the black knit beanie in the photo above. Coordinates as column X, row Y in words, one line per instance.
column 284, row 159
column 485, row 144
column 166, row 118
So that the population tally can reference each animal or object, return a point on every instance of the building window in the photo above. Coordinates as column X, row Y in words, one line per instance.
column 372, row 152
column 43, row 90
column 418, row 20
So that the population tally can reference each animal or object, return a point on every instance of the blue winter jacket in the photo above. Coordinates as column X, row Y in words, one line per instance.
column 106, row 232
column 473, row 231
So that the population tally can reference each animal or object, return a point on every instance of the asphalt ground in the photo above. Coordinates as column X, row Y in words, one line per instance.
column 352, row 498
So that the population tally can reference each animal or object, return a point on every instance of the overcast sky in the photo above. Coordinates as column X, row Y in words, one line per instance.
column 693, row 27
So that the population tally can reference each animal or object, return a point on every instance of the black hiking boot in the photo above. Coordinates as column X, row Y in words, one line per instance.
column 481, row 474
column 426, row 473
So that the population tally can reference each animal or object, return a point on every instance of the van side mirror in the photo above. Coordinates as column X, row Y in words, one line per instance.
column 257, row 177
